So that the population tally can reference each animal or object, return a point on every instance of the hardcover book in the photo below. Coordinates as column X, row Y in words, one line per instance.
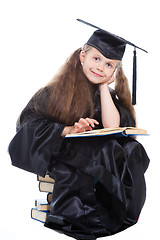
column 42, row 204
column 45, row 179
column 38, row 215
column 120, row 131
column 46, row 187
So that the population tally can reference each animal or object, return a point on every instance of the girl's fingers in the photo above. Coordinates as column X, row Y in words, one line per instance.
column 88, row 121
column 77, row 125
column 92, row 121
column 83, row 122
column 84, row 125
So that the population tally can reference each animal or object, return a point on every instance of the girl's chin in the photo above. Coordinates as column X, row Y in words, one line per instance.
column 95, row 81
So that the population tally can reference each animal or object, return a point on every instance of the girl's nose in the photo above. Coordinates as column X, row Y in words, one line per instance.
column 100, row 67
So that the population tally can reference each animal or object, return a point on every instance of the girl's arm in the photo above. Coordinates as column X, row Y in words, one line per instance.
column 109, row 113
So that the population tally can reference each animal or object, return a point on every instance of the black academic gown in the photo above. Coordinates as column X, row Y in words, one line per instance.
column 99, row 181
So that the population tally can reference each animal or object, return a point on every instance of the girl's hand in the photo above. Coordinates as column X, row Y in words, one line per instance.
column 104, row 84
column 110, row 81
column 83, row 125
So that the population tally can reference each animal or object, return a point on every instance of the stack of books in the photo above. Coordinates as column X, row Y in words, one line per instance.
column 42, row 206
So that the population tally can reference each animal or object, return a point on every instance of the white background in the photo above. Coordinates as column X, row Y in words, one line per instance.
column 35, row 39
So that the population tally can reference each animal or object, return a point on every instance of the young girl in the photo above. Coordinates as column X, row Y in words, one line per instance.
column 99, row 181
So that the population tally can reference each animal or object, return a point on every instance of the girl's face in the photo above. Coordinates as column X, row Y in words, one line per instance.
column 97, row 68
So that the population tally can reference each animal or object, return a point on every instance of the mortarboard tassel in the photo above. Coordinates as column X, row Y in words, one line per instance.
column 134, row 78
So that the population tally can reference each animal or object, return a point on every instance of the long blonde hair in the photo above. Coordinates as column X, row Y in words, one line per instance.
column 70, row 95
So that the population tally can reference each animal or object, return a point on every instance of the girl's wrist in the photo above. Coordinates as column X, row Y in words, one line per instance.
column 67, row 130
column 103, row 86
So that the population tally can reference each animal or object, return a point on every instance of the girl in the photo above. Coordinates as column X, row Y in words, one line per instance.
column 99, row 181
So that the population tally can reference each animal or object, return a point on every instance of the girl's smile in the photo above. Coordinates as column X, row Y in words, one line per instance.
column 96, row 74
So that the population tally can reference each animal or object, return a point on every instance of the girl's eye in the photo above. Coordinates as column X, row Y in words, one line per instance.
column 109, row 65
column 96, row 59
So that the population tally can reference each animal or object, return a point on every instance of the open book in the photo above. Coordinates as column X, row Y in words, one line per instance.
column 120, row 131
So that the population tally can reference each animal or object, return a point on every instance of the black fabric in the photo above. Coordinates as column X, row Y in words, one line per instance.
column 82, row 207
column 107, row 207
column 109, row 44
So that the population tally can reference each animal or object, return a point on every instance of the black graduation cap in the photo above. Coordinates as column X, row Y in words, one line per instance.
column 113, row 47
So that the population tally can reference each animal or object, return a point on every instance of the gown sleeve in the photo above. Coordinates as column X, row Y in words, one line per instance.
column 126, row 119
column 36, row 140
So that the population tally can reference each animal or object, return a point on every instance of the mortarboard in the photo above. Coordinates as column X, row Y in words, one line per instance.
column 113, row 47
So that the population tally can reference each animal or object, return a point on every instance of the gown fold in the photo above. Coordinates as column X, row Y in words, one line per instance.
column 99, row 185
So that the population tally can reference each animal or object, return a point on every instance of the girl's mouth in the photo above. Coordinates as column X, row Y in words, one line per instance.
column 96, row 74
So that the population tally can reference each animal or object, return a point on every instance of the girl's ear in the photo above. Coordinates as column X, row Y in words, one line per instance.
column 82, row 56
